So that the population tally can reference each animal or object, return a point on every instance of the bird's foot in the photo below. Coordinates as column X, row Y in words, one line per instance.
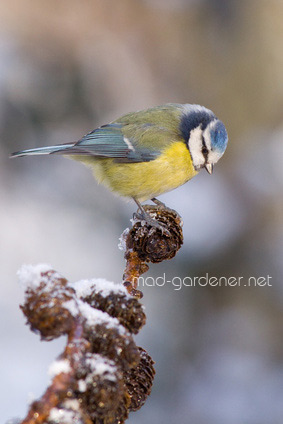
column 144, row 216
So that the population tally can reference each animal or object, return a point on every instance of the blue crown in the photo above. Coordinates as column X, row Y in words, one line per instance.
column 219, row 137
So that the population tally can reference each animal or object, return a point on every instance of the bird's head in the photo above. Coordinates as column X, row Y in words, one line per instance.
column 205, row 135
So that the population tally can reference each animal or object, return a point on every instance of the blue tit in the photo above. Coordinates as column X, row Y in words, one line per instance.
column 150, row 152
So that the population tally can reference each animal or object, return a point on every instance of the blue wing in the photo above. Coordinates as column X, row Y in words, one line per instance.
column 109, row 141
column 122, row 142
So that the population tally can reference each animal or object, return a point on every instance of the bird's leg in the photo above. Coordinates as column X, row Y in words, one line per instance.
column 143, row 215
column 139, row 206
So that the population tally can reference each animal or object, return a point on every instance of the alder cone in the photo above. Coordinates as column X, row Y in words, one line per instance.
column 151, row 244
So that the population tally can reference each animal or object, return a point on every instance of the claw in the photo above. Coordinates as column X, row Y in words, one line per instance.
column 162, row 206
column 158, row 203
column 154, row 223
column 144, row 216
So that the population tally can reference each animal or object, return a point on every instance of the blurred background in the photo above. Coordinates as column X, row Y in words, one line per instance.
column 67, row 67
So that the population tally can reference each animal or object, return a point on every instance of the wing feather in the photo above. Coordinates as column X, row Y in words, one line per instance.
column 110, row 141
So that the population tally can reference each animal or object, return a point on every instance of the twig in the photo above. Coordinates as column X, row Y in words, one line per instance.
column 102, row 374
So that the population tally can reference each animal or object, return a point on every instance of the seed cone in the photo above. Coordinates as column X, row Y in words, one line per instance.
column 149, row 242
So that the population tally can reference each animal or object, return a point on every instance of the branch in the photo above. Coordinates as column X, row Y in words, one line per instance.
column 102, row 374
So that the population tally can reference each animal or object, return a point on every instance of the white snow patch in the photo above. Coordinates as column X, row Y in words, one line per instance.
column 62, row 416
column 96, row 317
column 68, row 414
column 72, row 307
column 93, row 316
column 122, row 239
column 101, row 366
column 56, row 367
column 30, row 275
column 85, row 288
column 82, row 386
column 73, row 404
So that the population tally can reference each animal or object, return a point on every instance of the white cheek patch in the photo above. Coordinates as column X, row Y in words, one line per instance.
column 206, row 136
column 213, row 155
column 195, row 147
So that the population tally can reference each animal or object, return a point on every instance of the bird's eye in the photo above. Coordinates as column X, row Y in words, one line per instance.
column 204, row 151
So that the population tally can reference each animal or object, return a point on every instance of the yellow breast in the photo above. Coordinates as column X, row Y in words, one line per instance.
column 145, row 180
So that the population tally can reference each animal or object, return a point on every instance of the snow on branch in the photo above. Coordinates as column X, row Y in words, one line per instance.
column 102, row 374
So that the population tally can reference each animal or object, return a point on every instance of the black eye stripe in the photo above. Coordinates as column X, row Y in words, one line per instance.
column 204, row 150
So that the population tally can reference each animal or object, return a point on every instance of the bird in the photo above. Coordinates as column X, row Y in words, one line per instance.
column 144, row 154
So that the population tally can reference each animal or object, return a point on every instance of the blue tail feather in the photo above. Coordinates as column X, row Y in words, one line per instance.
column 42, row 150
